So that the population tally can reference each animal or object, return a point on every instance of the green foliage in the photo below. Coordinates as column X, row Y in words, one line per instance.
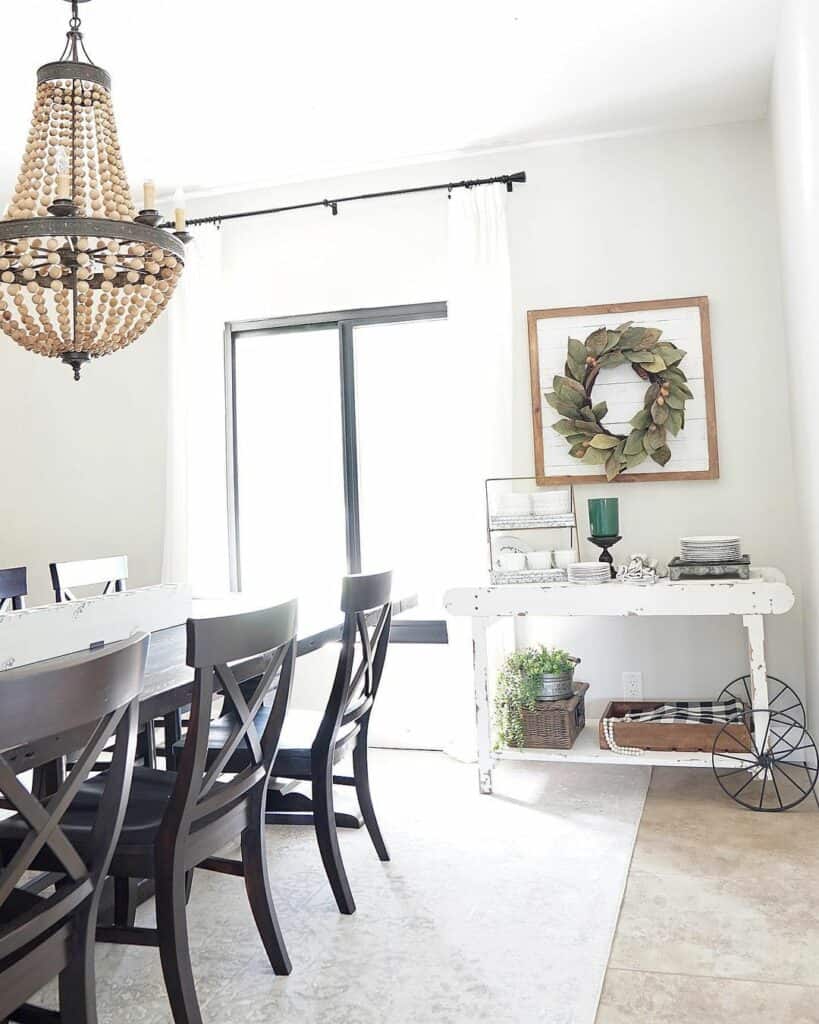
column 663, row 412
column 518, row 687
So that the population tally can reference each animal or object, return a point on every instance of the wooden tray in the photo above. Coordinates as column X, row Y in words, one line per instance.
column 672, row 736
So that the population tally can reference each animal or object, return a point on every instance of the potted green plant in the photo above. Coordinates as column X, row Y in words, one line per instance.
column 534, row 673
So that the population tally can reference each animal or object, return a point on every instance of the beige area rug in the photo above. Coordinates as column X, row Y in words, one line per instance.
column 496, row 909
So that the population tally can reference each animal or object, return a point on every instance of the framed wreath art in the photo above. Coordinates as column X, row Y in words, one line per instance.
column 623, row 392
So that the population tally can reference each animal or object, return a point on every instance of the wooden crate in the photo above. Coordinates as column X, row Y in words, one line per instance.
column 680, row 736
column 556, row 724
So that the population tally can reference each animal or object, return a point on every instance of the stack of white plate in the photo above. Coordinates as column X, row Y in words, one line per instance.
column 588, row 572
column 710, row 549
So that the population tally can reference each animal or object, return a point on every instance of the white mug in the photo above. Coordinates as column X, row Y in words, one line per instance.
column 565, row 557
column 539, row 560
column 511, row 561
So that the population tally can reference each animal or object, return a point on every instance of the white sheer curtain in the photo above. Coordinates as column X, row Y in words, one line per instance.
column 196, row 529
column 480, row 319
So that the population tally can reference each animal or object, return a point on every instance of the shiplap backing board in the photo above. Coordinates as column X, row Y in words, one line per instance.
column 623, row 390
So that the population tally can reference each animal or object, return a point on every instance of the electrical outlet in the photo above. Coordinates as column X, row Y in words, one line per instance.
column 633, row 685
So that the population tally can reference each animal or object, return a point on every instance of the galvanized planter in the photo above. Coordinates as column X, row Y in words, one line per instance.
column 557, row 685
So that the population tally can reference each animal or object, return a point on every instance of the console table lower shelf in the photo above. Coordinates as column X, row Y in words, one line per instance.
column 587, row 750
column 774, row 705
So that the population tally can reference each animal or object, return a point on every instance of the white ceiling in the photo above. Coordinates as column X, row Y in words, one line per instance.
column 214, row 96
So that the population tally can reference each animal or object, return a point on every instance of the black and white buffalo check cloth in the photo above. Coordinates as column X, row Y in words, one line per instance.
column 703, row 712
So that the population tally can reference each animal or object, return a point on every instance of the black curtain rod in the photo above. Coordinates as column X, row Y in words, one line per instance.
column 518, row 178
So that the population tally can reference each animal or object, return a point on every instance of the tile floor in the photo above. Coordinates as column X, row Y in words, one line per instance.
column 720, row 920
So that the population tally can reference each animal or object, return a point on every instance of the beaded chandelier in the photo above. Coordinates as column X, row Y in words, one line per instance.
column 82, row 274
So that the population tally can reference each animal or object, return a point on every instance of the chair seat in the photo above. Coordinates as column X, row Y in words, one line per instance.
column 293, row 757
column 150, row 792
column 18, row 902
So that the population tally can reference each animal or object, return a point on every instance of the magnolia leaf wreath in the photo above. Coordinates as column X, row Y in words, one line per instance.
column 663, row 410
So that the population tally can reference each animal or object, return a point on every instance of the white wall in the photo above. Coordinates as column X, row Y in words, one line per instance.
column 654, row 216
column 657, row 216
column 83, row 464
column 795, row 132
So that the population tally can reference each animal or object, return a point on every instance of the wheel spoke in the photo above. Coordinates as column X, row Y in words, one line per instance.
column 764, row 783
column 747, row 691
column 804, row 792
column 784, row 711
column 776, row 698
column 732, row 771
column 776, row 789
column 759, row 769
column 741, row 742
column 805, row 746
column 737, row 757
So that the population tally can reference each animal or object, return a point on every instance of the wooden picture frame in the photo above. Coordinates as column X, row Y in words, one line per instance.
column 644, row 313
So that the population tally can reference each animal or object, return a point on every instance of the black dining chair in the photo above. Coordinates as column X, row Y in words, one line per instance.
column 312, row 744
column 77, row 702
column 13, row 589
column 178, row 821
column 112, row 575
column 110, row 572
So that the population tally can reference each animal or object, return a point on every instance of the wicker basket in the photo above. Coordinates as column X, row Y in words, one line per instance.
column 556, row 723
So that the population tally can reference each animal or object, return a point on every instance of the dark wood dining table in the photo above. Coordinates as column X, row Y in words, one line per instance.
column 168, row 683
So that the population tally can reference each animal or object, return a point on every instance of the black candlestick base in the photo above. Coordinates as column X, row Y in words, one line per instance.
column 605, row 543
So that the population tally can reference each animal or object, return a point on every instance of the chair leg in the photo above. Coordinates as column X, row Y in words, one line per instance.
column 257, row 885
column 125, row 902
column 361, row 773
column 174, row 949
column 78, row 1000
column 324, row 820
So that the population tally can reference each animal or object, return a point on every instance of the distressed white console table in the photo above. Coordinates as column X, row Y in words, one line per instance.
column 766, row 593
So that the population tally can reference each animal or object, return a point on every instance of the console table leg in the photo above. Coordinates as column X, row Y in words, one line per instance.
column 480, row 661
column 755, row 624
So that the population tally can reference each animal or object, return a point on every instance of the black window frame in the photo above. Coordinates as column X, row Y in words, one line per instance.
column 404, row 630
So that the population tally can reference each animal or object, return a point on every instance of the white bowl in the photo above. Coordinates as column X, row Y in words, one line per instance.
column 511, row 561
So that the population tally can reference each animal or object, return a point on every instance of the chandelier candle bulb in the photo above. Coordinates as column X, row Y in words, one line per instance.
column 149, row 196
column 180, row 221
column 63, row 179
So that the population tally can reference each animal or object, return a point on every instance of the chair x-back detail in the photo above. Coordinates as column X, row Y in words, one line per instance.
column 112, row 572
column 79, row 704
column 182, row 819
column 13, row 589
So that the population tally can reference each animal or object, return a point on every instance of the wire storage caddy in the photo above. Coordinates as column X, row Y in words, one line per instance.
column 500, row 522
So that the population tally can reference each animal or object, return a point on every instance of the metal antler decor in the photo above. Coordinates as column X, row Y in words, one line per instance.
column 81, row 273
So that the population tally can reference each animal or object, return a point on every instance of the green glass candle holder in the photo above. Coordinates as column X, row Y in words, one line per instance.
column 604, row 517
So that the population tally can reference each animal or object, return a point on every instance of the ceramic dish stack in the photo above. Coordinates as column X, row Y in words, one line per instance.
column 553, row 507
column 512, row 509
column 710, row 549
column 588, row 573
column 709, row 558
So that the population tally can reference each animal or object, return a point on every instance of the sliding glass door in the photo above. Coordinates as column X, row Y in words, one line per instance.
column 335, row 449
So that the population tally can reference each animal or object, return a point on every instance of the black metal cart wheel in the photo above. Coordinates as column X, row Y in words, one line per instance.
column 782, row 698
column 772, row 768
